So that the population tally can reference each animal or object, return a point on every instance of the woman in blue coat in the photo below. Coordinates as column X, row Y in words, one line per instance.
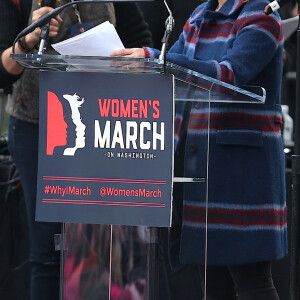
column 235, row 42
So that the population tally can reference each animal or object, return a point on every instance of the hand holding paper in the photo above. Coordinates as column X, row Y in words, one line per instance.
column 98, row 41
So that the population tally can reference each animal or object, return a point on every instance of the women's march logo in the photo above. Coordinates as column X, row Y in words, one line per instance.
column 57, row 133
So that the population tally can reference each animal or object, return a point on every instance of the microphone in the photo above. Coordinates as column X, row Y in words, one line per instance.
column 169, row 27
column 45, row 29
column 274, row 6
column 43, row 20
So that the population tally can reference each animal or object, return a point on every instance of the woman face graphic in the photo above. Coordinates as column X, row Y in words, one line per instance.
column 56, row 124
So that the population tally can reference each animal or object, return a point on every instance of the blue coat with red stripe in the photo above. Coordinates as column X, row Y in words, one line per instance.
column 246, row 202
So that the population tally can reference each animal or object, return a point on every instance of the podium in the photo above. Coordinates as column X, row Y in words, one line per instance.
column 119, row 260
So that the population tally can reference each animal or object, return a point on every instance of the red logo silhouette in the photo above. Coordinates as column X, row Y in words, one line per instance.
column 56, row 125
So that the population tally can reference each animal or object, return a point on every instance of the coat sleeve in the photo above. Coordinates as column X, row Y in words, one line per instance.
column 257, row 39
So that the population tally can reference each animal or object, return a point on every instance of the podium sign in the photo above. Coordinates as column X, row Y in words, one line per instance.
column 105, row 148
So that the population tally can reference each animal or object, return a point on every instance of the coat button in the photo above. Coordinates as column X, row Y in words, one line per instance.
column 196, row 104
column 193, row 148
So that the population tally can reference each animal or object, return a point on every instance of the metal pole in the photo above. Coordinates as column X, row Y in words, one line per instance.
column 153, row 264
column 295, row 223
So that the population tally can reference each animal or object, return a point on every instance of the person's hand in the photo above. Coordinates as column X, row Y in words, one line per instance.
column 130, row 52
column 33, row 38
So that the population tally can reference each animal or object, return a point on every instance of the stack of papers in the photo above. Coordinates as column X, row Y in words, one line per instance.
column 98, row 41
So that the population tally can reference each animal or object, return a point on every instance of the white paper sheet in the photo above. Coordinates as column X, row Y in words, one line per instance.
column 289, row 26
column 101, row 40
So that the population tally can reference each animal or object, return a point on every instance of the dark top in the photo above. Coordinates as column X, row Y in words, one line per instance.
column 13, row 19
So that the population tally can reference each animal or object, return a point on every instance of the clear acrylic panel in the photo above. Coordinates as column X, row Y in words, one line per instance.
column 136, row 262
column 111, row 262
column 190, row 85
column 104, row 262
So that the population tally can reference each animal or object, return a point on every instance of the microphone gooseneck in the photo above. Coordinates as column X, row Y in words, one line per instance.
column 43, row 20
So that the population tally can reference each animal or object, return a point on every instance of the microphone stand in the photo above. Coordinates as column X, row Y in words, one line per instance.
column 43, row 37
column 154, row 259
column 295, row 219
column 45, row 29
column 169, row 27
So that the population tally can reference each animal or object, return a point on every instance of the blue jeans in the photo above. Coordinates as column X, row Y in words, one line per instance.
column 45, row 261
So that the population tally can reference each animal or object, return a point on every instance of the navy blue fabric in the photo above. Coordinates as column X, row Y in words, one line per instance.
column 244, row 197
column 249, row 138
